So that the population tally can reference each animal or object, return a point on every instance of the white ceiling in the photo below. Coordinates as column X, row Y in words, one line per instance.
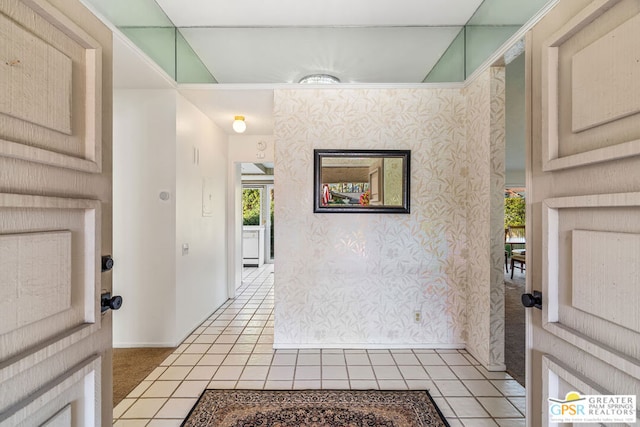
column 264, row 42
column 353, row 54
column 133, row 70
column 358, row 41
column 281, row 41
column 319, row 13
column 222, row 104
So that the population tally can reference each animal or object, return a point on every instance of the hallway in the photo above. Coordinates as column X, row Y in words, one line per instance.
column 233, row 349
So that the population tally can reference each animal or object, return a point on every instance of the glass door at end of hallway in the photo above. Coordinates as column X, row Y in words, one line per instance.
column 257, row 224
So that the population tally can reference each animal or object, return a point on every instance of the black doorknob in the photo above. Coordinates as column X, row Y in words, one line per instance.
column 108, row 302
column 107, row 263
column 535, row 300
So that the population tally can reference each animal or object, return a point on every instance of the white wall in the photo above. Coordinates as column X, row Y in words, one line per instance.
column 144, row 129
column 166, row 295
column 201, row 279
column 242, row 149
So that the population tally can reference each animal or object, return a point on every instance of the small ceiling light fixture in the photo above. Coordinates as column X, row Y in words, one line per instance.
column 319, row 79
column 239, row 125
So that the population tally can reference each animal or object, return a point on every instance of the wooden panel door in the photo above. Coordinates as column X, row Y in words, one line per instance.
column 583, row 218
column 55, row 214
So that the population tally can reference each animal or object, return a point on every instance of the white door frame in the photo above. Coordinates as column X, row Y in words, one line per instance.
column 234, row 228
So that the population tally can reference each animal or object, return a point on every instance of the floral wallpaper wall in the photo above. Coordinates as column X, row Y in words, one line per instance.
column 485, row 103
column 356, row 280
column 478, row 207
column 496, row 227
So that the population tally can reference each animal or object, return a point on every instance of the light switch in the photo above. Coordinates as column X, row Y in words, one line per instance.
column 185, row 249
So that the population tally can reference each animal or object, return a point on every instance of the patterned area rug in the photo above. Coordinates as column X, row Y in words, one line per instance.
column 314, row 408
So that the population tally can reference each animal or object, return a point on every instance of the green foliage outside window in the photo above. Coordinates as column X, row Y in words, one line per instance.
column 514, row 211
column 251, row 206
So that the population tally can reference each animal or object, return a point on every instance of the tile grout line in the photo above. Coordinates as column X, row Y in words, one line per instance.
column 254, row 303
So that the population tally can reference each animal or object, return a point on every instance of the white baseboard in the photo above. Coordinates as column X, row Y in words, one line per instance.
column 143, row 344
column 496, row 368
column 117, row 344
column 488, row 366
column 369, row 346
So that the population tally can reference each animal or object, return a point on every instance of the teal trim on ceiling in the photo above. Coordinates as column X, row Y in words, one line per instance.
column 148, row 27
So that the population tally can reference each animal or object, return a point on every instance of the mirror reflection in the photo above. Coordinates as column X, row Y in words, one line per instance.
column 361, row 181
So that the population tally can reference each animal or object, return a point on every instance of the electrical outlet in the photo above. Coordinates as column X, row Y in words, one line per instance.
column 417, row 316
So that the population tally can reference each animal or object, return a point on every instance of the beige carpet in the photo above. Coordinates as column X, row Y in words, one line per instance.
column 131, row 366
column 315, row 408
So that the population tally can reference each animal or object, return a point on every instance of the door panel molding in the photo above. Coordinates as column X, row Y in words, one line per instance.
column 61, row 419
column 584, row 125
column 36, row 268
column 604, row 64
column 556, row 376
column 31, row 343
column 19, row 151
column 71, row 139
column 42, row 73
column 559, row 378
column 80, row 388
column 589, row 339
column 553, row 370
column 609, row 293
column 33, row 355
column 626, row 364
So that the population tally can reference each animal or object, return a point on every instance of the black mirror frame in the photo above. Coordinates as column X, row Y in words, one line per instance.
column 406, row 180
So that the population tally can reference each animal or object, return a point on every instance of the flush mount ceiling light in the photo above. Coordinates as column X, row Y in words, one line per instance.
column 319, row 79
column 239, row 125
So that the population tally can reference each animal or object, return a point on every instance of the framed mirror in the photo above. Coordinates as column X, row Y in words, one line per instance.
column 361, row 181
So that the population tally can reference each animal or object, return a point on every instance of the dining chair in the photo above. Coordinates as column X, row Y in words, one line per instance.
column 515, row 237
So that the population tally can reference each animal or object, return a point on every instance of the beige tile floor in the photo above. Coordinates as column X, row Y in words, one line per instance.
column 233, row 349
